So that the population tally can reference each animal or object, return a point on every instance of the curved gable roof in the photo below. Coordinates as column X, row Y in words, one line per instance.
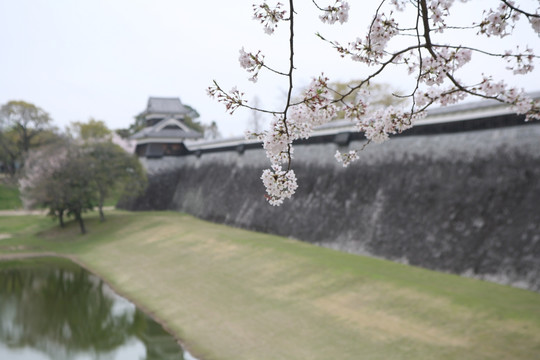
column 168, row 123
column 161, row 105
column 161, row 130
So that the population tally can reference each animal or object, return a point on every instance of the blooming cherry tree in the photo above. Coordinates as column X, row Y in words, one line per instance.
column 434, row 68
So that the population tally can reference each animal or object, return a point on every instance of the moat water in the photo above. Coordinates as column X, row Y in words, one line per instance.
column 59, row 311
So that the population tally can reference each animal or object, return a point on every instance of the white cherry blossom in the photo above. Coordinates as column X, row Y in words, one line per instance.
column 434, row 68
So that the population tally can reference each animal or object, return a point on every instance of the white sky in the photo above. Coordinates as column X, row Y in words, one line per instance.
column 78, row 59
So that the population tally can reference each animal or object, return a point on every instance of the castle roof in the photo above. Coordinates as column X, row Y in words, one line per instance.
column 166, row 130
column 162, row 105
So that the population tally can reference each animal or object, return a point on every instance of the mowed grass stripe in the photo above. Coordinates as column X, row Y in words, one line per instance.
column 234, row 294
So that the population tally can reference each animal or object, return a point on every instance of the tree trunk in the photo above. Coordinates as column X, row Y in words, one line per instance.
column 79, row 218
column 61, row 218
column 101, row 214
column 25, row 139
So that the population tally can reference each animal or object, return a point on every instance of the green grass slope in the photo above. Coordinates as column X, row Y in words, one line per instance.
column 9, row 197
column 234, row 294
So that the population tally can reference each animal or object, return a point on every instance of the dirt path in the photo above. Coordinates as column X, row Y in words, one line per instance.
column 22, row 212
column 16, row 256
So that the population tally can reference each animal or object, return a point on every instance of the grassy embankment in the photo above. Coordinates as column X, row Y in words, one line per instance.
column 9, row 197
column 234, row 294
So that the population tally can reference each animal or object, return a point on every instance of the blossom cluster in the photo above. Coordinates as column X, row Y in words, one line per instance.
column 316, row 109
column 444, row 96
column 338, row 12
column 371, row 49
column 277, row 141
column 252, row 63
column 40, row 164
column 269, row 17
column 280, row 184
column 497, row 22
column 346, row 158
column 399, row 5
column 232, row 99
column 535, row 22
column 500, row 22
column 377, row 125
column 440, row 9
column 523, row 63
column 520, row 102
column 434, row 69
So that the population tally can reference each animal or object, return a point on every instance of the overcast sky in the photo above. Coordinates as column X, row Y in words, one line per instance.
column 78, row 59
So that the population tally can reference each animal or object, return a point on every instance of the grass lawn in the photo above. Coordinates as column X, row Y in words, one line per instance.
column 9, row 197
column 234, row 294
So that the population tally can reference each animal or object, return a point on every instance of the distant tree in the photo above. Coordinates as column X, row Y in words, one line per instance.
column 26, row 119
column 37, row 186
column 9, row 152
column 22, row 126
column 134, row 128
column 111, row 167
column 59, row 178
column 73, row 175
column 211, row 132
column 193, row 124
column 78, row 188
column 192, row 113
column 93, row 130
column 123, row 133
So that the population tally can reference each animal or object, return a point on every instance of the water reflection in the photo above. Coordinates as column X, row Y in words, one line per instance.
column 64, row 312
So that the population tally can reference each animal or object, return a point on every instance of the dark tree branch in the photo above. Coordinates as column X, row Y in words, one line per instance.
column 527, row 14
column 290, row 75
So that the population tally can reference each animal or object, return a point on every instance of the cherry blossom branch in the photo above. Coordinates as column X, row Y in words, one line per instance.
column 290, row 76
column 332, row 14
column 274, row 71
column 482, row 51
column 419, row 44
column 380, row 70
column 317, row 5
column 510, row 4
column 233, row 99
column 429, row 46
column 435, row 67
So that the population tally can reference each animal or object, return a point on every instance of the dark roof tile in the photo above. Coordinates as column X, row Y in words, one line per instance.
column 165, row 106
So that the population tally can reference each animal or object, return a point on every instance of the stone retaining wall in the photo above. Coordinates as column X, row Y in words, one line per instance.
column 466, row 203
